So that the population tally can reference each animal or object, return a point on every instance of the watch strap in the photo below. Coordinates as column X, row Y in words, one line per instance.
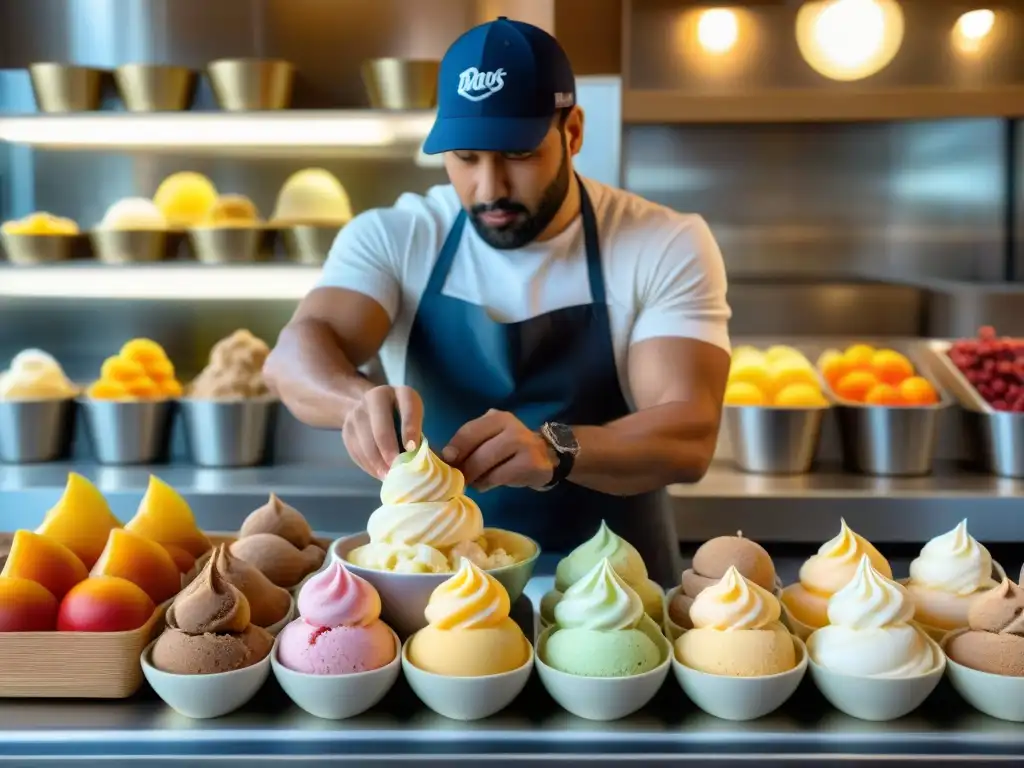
column 566, row 460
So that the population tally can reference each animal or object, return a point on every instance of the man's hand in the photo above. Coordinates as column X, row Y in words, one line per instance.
column 369, row 429
column 498, row 449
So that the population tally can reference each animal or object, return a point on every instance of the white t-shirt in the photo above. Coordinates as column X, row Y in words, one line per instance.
column 663, row 270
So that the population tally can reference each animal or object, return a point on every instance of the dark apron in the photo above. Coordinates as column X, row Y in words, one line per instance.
column 560, row 367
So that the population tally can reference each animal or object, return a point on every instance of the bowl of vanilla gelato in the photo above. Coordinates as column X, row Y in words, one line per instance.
column 416, row 539
column 37, row 409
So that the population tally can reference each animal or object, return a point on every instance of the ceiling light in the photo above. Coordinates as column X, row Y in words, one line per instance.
column 849, row 39
column 717, row 30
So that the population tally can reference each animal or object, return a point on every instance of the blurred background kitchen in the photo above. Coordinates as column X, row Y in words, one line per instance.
column 858, row 160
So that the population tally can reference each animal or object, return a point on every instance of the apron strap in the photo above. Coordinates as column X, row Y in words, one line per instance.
column 443, row 265
column 593, row 247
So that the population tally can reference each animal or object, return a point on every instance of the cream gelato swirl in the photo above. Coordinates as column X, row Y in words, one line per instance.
column 734, row 603
column 954, row 562
column 623, row 556
column 870, row 634
column 601, row 600
column 471, row 599
column 837, row 560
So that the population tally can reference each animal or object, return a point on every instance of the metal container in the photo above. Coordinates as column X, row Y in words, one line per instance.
column 401, row 83
column 129, row 246
column 774, row 441
column 36, row 430
column 997, row 440
column 130, row 431
column 309, row 243
column 245, row 85
column 228, row 245
column 223, row 433
column 32, row 250
column 66, row 88
column 154, row 87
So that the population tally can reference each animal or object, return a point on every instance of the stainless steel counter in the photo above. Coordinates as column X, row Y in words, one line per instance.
column 799, row 509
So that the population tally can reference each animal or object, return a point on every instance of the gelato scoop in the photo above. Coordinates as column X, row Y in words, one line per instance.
column 35, row 375
column 469, row 632
column 869, row 632
column 995, row 641
column 950, row 573
column 623, row 557
column 185, row 199
column 41, row 223
column 232, row 211
column 313, row 196
column 283, row 563
column 209, row 629
column 339, row 630
column 426, row 523
column 268, row 603
column 736, row 631
column 234, row 371
column 133, row 213
column 711, row 562
column 828, row 571
column 280, row 519
column 141, row 370
column 601, row 629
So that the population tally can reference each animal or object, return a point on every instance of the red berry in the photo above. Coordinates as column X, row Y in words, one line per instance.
column 1000, row 405
column 986, row 332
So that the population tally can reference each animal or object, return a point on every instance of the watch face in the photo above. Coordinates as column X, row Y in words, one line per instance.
column 563, row 438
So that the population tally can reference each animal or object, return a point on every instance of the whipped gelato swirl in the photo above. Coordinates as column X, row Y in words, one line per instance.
column 734, row 603
column 210, row 604
column 837, row 560
column 622, row 555
column 336, row 597
column 601, row 600
column 955, row 563
column 470, row 599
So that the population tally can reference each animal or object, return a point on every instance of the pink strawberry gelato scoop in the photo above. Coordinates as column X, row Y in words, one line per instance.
column 339, row 630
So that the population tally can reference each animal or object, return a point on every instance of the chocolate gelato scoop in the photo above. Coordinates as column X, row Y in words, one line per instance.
column 279, row 560
column 268, row 603
column 209, row 604
column 710, row 563
column 994, row 642
column 281, row 519
column 235, row 370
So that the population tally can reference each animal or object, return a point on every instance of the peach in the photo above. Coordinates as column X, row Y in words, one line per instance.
column 891, row 367
column 44, row 561
column 182, row 559
column 883, row 394
column 833, row 366
column 917, row 390
column 26, row 606
column 104, row 604
column 855, row 385
column 165, row 517
column 858, row 357
column 81, row 520
column 142, row 562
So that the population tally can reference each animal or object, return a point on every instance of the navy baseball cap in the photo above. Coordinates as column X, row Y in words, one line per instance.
column 499, row 86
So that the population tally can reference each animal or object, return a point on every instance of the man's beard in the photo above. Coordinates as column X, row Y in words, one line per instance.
column 528, row 226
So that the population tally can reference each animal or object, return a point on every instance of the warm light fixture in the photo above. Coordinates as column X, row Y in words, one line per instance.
column 972, row 29
column 218, row 129
column 717, row 30
column 849, row 39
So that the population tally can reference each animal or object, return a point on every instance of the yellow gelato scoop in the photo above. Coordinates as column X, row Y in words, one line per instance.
column 185, row 198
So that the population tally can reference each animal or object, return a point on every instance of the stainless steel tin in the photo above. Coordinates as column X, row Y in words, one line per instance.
column 227, row 245
column 66, row 88
column 128, row 432
column 243, row 85
column 155, row 87
column 34, row 431
column 309, row 243
column 997, row 440
column 225, row 433
column 774, row 441
column 33, row 250
column 936, row 356
column 128, row 246
column 401, row 83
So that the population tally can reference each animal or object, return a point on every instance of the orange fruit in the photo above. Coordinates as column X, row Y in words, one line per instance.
column 855, row 385
column 744, row 393
column 800, row 395
column 858, row 357
column 833, row 366
column 917, row 390
column 883, row 394
column 891, row 367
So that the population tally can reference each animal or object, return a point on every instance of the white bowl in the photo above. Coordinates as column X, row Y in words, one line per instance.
column 275, row 629
column 205, row 696
column 336, row 697
column 741, row 698
column 603, row 698
column 404, row 596
column 672, row 630
column 793, row 624
column 999, row 696
column 878, row 698
column 466, row 698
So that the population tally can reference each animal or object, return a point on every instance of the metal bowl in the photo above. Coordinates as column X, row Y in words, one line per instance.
column 401, row 83
column 228, row 433
column 997, row 440
column 32, row 250
column 309, row 243
column 228, row 245
column 154, row 87
column 34, row 431
column 65, row 87
column 129, row 246
column 245, row 85
column 128, row 431
column 774, row 441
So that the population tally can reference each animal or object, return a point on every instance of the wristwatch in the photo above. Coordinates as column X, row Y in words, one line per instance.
column 561, row 438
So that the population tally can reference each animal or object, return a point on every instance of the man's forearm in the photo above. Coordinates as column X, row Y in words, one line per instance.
column 658, row 446
column 311, row 374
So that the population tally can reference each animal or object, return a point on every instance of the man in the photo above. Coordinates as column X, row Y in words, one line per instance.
column 573, row 339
